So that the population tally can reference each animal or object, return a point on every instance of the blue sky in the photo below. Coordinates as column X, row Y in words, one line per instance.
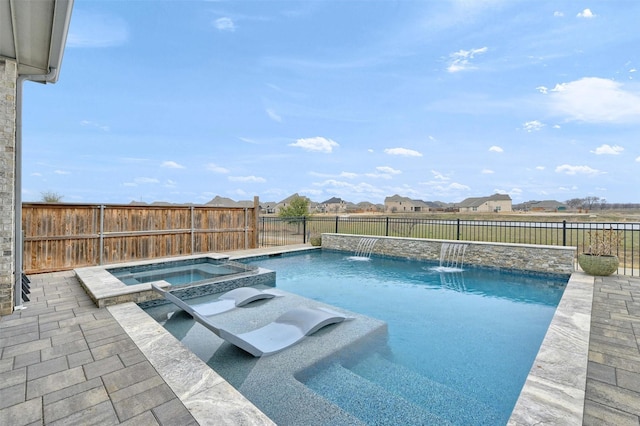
column 181, row 101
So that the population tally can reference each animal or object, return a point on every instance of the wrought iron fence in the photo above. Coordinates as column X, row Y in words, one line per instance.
column 275, row 231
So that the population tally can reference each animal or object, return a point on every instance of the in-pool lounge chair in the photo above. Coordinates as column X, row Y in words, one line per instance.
column 287, row 330
column 237, row 297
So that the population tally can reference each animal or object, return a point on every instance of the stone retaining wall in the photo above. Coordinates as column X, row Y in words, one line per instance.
column 534, row 258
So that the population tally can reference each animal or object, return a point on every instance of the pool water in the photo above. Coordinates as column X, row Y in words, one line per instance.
column 178, row 271
column 460, row 343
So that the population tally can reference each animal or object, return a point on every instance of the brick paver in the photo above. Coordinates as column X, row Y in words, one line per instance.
column 613, row 373
column 64, row 361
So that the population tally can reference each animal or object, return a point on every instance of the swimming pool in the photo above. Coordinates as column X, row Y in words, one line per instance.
column 177, row 272
column 459, row 345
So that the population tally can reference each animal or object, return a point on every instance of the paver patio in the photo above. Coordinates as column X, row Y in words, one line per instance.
column 64, row 361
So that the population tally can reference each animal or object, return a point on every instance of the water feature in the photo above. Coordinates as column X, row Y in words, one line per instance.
column 364, row 249
column 451, row 257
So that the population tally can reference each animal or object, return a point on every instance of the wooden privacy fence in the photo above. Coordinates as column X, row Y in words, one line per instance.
column 65, row 236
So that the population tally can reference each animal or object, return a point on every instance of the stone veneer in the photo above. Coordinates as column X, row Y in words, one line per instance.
column 8, row 79
column 533, row 258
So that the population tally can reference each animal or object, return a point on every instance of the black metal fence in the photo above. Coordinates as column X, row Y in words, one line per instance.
column 275, row 231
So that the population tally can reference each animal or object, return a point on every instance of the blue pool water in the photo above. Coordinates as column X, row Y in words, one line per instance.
column 460, row 344
column 177, row 272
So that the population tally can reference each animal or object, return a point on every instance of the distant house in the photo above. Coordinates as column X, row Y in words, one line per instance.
column 398, row 204
column 495, row 203
column 285, row 203
column 268, row 207
column 334, row 205
column 546, row 206
column 367, row 207
column 219, row 201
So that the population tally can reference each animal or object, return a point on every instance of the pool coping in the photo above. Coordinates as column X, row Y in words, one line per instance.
column 105, row 289
column 554, row 390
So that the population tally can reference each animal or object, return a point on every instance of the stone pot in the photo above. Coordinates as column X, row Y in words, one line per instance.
column 598, row 265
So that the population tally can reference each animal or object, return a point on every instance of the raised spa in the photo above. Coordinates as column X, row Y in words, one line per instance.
column 178, row 272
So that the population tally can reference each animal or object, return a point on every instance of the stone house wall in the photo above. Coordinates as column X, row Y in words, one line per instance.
column 8, row 81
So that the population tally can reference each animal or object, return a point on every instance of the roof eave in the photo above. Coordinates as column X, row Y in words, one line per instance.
column 58, row 41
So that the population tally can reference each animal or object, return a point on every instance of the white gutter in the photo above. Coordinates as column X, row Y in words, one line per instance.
column 59, row 30
column 18, row 249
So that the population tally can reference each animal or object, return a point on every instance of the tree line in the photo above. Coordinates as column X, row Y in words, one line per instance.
column 593, row 203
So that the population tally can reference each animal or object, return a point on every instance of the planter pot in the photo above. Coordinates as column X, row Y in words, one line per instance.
column 598, row 265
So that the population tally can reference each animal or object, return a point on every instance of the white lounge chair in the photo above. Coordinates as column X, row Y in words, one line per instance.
column 237, row 297
column 287, row 330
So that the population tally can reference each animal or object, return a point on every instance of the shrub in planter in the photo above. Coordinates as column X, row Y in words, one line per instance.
column 601, row 258
column 316, row 240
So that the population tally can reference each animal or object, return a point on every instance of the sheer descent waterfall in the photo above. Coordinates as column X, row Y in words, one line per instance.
column 452, row 255
column 365, row 246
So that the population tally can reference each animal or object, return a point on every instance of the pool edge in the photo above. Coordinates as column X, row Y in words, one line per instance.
column 555, row 389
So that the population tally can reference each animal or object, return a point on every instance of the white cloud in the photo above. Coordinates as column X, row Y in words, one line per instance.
column 532, row 126
column 460, row 60
column 388, row 170
column 61, row 172
column 558, row 14
column 145, row 180
column 378, row 175
column 273, row 115
column 597, row 100
column 402, row 151
column 349, row 175
column 171, row 165
column 495, row 148
column 338, row 187
column 247, row 140
column 87, row 123
column 170, row 183
column 95, row 30
column 638, row 159
column 253, row 179
column 439, row 176
column 542, row 90
column 458, row 187
column 225, row 24
column 574, row 170
column 439, row 186
column 608, row 150
column 540, row 167
column 487, row 172
column 317, row 144
column 212, row 167
column 587, row 13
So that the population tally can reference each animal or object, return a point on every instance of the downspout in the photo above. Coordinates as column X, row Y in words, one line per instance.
column 18, row 249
